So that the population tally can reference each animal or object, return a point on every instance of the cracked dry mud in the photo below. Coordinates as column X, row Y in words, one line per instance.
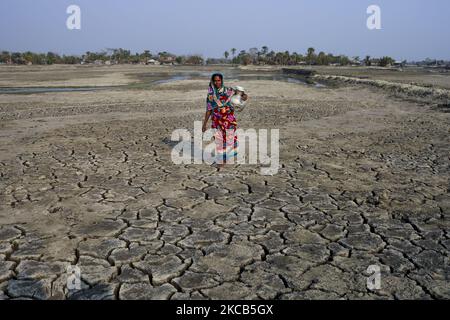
column 86, row 179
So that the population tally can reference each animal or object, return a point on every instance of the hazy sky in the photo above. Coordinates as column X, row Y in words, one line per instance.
column 411, row 29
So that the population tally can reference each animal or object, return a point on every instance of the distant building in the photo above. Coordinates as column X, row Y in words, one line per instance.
column 355, row 62
column 153, row 62
column 167, row 59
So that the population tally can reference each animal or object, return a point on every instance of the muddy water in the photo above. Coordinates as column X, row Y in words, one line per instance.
column 151, row 79
column 31, row 90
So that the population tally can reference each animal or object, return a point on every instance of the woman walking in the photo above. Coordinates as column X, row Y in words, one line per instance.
column 218, row 105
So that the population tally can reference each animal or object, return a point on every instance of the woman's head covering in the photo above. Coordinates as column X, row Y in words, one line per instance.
column 211, row 83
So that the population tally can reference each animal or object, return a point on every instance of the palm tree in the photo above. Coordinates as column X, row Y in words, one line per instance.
column 265, row 49
column 271, row 57
column 233, row 52
column 310, row 56
column 367, row 61
column 226, row 54
column 87, row 56
column 286, row 57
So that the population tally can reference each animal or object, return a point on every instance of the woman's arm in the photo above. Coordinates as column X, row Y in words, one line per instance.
column 205, row 121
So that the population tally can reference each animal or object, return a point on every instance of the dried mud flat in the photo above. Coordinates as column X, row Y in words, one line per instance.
column 86, row 179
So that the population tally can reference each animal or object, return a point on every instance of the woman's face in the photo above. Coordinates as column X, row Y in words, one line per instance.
column 217, row 82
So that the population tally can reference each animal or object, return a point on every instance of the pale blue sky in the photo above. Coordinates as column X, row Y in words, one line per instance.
column 412, row 29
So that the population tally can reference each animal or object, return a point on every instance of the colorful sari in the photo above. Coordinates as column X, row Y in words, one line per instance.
column 224, row 121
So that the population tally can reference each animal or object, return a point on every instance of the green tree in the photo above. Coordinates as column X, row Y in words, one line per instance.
column 311, row 56
column 145, row 56
column 386, row 61
column 194, row 60
column 29, row 57
column 52, row 58
column 179, row 59
column 264, row 50
column 322, row 59
column 344, row 60
column 5, row 57
column 16, row 58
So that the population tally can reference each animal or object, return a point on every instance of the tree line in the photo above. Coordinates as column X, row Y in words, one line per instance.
column 29, row 57
column 264, row 56
column 253, row 56
column 118, row 56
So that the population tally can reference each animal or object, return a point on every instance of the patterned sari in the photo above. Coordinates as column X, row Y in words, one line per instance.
column 224, row 121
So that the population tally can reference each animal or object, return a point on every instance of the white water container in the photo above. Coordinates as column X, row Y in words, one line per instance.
column 236, row 100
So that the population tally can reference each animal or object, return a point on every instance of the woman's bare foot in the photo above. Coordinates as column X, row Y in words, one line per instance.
column 219, row 165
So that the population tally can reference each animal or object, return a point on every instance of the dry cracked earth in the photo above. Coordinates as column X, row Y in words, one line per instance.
column 87, row 180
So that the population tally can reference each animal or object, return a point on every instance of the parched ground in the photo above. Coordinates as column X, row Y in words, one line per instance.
column 86, row 179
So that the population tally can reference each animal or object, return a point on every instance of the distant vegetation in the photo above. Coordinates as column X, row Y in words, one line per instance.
column 36, row 58
column 253, row 56
column 264, row 56
column 109, row 56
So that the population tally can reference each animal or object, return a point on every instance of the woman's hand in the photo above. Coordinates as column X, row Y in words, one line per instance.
column 205, row 121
